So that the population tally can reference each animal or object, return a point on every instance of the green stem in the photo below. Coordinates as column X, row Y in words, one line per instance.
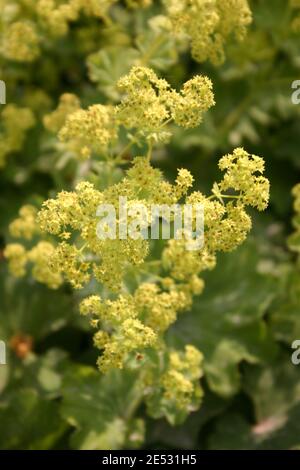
column 145, row 59
column 224, row 196
column 149, row 153
column 119, row 158
column 137, row 399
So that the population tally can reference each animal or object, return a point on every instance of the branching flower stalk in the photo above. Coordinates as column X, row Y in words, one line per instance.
column 132, row 313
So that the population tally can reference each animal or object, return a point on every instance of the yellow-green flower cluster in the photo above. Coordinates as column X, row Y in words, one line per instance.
column 132, row 322
column 132, row 336
column 173, row 387
column 90, row 130
column 18, row 259
column 159, row 309
column 295, row 5
column 38, row 256
column 74, row 214
column 68, row 104
column 148, row 105
column 81, row 254
column 27, row 24
column 181, row 380
column 150, row 102
column 243, row 173
column 56, row 15
column 182, row 264
column 68, row 259
column 131, row 318
column 20, row 42
column 140, row 297
column 25, row 226
column 208, row 24
column 184, row 181
column 15, row 123
column 122, row 332
column 226, row 221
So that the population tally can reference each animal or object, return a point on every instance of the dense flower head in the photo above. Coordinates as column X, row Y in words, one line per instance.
column 122, row 332
column 81, row 255
column 149, row 102
column 56, row 15
column 295, row 5
column 182, row 264
column 132, row 322
column 144, row 102
column 226, row 222
column 17, row 258
column 184, row 181
column 27, row 25
column 39, row 256
column 209, row 24
column 195, row 99
column 67, row 259
column 91, row 129
column 159, row 309
column 232, row 230
column 173, row 386
column 243, row 173
column 180, row 382
column 16, row 122
column 25, row 226
column 20, row 42
column 68, row 104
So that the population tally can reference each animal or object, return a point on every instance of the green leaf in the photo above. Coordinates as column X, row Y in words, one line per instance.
column 105, row 68
column 288, row 436
column 27, row 307
column 285, row 314
column 186, row 435
column 227, row 322
column 28, row 421
column 43, row 373
column 274, row 389
column 157, row 50
column 98, row 407
column 232, row 432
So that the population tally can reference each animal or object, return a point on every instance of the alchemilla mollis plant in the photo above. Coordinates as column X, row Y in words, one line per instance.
column 112, row 99
column 131, row 321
